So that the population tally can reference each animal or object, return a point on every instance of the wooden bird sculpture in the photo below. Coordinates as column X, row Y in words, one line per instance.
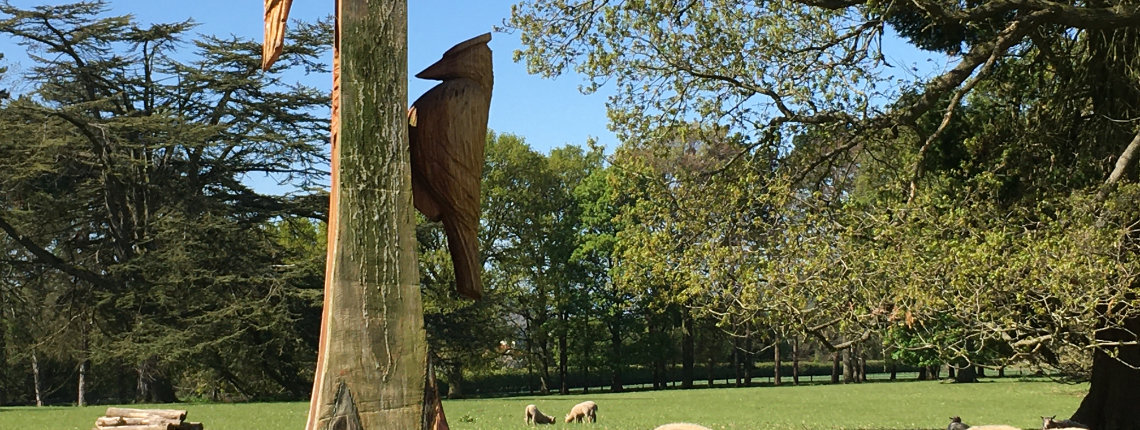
column 447, row 130
column 447, row 127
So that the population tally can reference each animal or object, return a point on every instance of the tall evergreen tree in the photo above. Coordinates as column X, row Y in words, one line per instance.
column 125, row 170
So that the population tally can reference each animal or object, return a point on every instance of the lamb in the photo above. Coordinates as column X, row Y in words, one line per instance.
column 681, row 426
column 535, row 416
column 956, row 424
column 1053, row 423
column 586, row 409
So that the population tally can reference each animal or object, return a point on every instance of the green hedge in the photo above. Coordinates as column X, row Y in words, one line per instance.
column 513, row 381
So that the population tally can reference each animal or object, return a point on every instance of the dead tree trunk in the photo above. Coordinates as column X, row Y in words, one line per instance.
column 372, row 362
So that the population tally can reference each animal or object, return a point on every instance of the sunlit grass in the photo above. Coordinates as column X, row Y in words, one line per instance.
column 899, row 405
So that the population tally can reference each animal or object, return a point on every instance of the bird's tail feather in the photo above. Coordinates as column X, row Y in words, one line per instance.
column 463, row 243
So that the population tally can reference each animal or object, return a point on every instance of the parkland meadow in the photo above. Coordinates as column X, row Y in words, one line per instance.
column 897, row 405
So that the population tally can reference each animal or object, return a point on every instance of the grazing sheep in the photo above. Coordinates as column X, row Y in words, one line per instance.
column 956, row 424
column 682, row 426
column 586, row 409
column 535, row 416
column 1053, row 423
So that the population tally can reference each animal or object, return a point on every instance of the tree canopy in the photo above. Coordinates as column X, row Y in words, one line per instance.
column 989, row 207
column 125, row 205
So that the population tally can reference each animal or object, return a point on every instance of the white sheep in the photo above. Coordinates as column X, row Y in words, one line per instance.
column 1054, row 423
column 681, row 426
column 535, row 416
column 586, row 409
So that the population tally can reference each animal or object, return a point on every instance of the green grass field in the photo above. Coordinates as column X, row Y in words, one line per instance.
column 899, row 405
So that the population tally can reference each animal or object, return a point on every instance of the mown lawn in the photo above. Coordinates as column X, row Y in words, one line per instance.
column 898, row 405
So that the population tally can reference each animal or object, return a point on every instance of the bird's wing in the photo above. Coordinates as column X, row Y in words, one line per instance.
column 451, row 131
column 276, row 15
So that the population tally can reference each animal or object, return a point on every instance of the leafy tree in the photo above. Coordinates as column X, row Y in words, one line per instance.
column 530, row 228
column 906, row 197
column 599, row 198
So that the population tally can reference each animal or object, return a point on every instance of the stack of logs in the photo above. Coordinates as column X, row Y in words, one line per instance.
column 144, row 419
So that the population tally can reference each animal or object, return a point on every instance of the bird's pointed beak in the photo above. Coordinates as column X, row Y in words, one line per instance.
column 439, row 71
column 276, row 15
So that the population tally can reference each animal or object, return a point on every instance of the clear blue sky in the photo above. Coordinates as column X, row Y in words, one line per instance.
column 548, row 113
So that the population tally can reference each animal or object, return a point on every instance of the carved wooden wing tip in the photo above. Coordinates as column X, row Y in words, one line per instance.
column 276, row 15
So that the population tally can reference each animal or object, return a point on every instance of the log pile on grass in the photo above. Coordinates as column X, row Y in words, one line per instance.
column 145, row 419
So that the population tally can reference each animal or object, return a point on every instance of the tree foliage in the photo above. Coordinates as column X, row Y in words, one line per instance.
column 124, row 175
column 983, row 208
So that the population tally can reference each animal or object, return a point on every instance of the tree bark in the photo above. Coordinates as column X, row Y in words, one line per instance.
column 848, row 366
column 862, row 364
column 711, row 369
column 152, row 386
column 1112, row 398
column 688, row 349
column 796, row 360
column 455, row 383
column 84, row 364
column 563, row 354
column 544, row 362
column 81, row 395
column 658, row 361
column 776, row 361
column 372, row 359
column 736, row 365
column 835, row 355
column 615, row 358
column 749, row 361
column 966, row 374
column 36, row 379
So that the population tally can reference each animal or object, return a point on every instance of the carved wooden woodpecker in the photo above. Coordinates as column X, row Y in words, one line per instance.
column 447, row 131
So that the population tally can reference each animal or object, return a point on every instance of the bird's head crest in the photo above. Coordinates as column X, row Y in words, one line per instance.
column 468, row 59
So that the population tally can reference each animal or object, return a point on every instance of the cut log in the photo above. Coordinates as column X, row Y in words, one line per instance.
column 110, row 421
column 173, row 414
column 190, row 426
column 139, row 427
column 135, row 421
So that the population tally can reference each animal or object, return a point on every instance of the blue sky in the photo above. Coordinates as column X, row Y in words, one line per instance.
column 547, row 112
